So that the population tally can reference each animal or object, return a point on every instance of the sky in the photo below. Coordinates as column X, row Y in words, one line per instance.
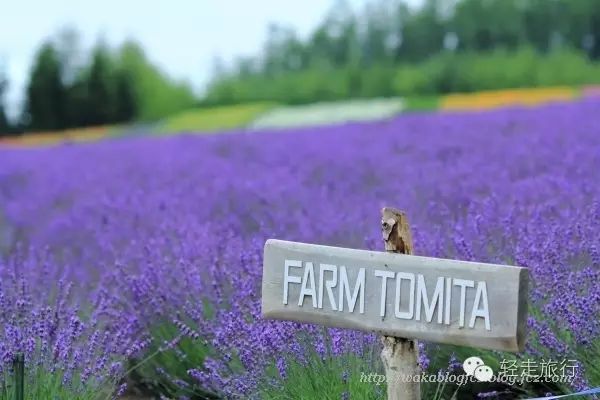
column 181, row 36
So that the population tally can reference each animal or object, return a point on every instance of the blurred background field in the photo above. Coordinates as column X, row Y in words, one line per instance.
column 265, row 115
column 325, row 113
column 411, row 56
column 214, row 118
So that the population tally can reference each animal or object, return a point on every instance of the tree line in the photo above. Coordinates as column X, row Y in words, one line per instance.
column 386, row 49
column 69, row 89
column 442, row 46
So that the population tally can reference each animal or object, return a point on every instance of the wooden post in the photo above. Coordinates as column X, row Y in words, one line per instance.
column 399, row 355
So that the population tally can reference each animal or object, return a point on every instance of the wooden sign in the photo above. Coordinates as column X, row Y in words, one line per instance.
column 437, row 300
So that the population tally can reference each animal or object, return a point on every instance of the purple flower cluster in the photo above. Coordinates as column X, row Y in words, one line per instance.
column 173, row 228
column 57, row 330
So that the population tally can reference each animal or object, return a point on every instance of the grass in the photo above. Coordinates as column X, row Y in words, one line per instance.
column 328, row 377
column 43, row 384
column 164, row 370
column 324, row 378
column 335, row 377
column 423, row 103
column 213, row 118
column 345, row 376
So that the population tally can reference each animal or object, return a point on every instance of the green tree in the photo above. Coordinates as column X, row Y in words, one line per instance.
column 100, row 87
column 283, row 52
column 485, row 25
column 335, row 41
column 422, row 30
column 5, row 127
column 125, row 107
column 45, row 93
column 156, row 95
column 74, row 73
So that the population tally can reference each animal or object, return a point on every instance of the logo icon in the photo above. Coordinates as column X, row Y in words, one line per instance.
column 475, row 367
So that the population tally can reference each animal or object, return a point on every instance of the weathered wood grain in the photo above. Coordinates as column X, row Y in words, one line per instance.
column 400, row 356
column 505, row 286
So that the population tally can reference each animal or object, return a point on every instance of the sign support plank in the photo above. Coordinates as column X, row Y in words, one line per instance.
column 399, row 355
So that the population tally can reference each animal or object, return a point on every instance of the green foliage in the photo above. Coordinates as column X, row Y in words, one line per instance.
column 388, row 49
column 5, row 126
column 168, row 359
column 293, row 88
column 100, row 87
column 567, row 66
column 214, row 118
column 446, row 72
column 45, row 93
column 43, row 384
column 392, row 49
column 125, row 101
column 112, row 87
column 348, row 375
column 589, row 357
column 421, row 103
column 587, row 354
column 329, row 377
column 156, row 96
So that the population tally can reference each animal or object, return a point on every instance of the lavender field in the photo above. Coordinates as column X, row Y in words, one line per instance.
column 137, row 262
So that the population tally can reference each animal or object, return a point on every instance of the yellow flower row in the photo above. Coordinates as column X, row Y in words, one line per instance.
column 240, row 114
column 70, row 135
column 501, row 98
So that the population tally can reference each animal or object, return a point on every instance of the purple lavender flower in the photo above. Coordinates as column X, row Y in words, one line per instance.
column 107, row 239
